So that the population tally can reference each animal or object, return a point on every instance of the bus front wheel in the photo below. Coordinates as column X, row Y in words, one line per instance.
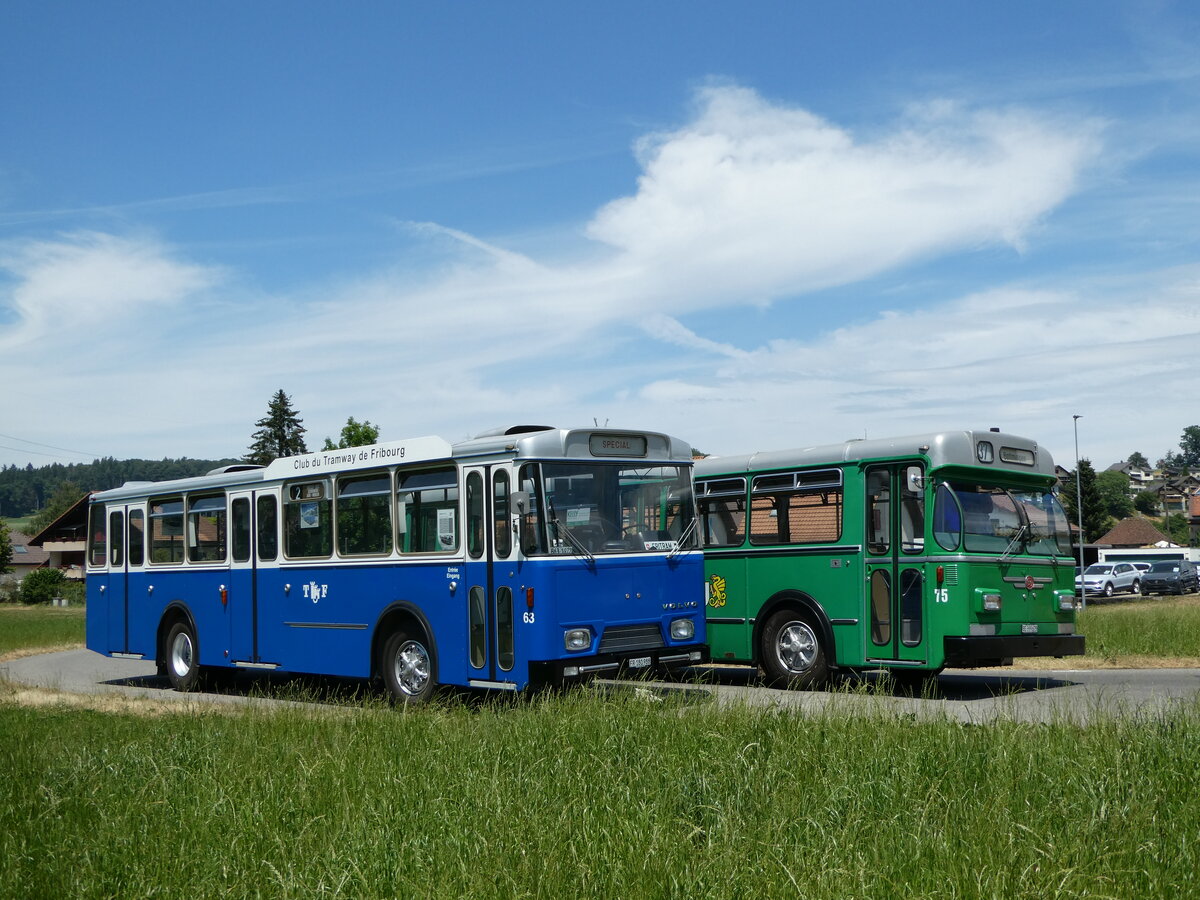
column 792, row 653
column 183, row 658
column 407, row 669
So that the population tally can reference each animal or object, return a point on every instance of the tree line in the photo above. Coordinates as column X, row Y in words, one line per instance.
column 53, row 488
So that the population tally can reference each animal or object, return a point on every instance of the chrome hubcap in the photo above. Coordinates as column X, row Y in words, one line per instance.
column 796, row 647
column 411, row 666
column 181, row 654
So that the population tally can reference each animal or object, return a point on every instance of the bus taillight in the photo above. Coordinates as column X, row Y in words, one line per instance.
column 529, row 598
column 941, row 575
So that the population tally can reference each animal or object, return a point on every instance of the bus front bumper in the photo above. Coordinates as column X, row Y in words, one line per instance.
column 999, row 650
column 613, row 664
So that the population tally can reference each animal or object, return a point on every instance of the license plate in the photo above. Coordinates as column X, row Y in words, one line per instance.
column 1029, row 628
column 640, row 663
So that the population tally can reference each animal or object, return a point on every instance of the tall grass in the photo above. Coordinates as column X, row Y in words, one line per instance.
column 39, row 626
column 589, row 796
column 1143, row 627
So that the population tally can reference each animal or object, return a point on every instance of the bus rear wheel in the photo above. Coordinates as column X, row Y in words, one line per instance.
column 407, row 669
column 792, row 653
column 183, row 658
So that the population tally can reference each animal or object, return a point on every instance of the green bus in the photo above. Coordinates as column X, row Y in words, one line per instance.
column 909, row 554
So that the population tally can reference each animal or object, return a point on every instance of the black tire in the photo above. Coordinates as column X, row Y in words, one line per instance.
column 1108, row 589
column 181, row 653
column 407, row 668
column 792, row 651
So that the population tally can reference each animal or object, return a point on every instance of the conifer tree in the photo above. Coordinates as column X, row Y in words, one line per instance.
column 1095, row 516
column 280, row 433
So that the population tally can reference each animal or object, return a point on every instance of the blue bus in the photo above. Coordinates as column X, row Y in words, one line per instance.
column 523, row 556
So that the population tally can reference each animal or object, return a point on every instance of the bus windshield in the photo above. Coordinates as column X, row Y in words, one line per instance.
column 991, row 519
column 592, row 508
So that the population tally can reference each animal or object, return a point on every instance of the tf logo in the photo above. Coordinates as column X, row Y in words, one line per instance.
column 315, row 592
column 716, row 591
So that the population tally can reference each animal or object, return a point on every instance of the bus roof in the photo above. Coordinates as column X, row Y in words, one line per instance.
column 522, row 441
column 941, row 448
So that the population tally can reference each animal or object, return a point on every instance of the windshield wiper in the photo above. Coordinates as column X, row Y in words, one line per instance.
column 565, row 530
column 1016, row 539
column 687, row 532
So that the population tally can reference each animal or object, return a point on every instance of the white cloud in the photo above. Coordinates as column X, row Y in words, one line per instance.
column 752, row 201
column 87, row 281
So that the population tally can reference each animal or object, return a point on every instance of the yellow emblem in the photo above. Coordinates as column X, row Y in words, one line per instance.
column 716, row 591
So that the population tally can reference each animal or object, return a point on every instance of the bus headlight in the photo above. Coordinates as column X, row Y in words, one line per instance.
column 1066, row 602
column 576, row 639
column 682, row 629
column 991, row 602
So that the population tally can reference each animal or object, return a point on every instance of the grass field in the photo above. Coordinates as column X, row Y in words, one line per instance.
column 590, row 795
column 25, row 628
column 584, row 795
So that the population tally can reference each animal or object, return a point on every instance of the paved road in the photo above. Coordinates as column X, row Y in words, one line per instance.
column 966, row 696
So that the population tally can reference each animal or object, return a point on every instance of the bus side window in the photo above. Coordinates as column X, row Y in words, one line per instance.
column 912, row 513
column 97, row 537
column 207, row 525
column 475, row 515
column 268, row 528
column 879, row 510
column 137, row 537
column 500, row 500
column 308, row 520
column 241, row 530
column 116, row 532
column 427, row 510
column 724, row 521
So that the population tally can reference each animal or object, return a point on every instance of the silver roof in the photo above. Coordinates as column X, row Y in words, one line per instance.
column 941, row 448
column 518, row 442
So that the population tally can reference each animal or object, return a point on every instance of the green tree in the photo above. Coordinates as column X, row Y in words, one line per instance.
column 1137, row 459
column 65, row 496
column 1146, row 503
column 354, row 434
column 42, row 585
column 6, row 550
column 280, row 433
column 1095, row 518
column 1189, row 450
column 1114, row 493
column 1175, row 526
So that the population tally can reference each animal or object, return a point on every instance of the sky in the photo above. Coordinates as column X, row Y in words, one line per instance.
column 753, row 226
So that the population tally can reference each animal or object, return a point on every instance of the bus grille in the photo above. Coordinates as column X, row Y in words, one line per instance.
column 622, row 638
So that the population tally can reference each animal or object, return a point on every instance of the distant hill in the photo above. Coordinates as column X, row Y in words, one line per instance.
column 23, row 491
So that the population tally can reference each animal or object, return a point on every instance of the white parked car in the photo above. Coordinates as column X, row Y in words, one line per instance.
column 1110, row 578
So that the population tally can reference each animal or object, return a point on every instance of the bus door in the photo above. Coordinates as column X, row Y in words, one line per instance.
column 117, row 582
column 491, row 578
column 240, row 595
column 895, row 594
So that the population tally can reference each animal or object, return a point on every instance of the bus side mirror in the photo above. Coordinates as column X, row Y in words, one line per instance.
column 523, row 526
column 915, row 479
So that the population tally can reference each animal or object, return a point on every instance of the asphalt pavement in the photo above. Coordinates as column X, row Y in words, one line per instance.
column 1071, row 695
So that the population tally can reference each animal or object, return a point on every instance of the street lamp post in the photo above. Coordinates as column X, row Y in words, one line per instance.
column 1079, row 515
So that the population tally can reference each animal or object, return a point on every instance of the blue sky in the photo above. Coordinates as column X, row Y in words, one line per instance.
column 754, row 226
